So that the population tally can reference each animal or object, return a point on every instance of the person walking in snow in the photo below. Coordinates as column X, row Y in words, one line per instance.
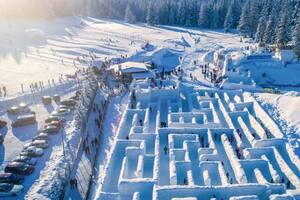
column 166, row 150
column 22, row 88
column 4, row 91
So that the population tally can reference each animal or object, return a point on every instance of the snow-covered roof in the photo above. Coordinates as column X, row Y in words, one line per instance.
column 130, row 67
column 143, row 75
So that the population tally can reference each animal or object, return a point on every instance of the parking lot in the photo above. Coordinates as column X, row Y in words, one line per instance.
column 16, row 137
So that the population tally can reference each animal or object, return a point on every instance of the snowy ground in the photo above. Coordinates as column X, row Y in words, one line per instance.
column 34, row 51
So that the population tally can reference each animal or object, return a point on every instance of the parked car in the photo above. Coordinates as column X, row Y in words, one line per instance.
column 54, row 118
column 58, row 124
column 68, row 102
column 11, row 178
column 13, row 110
column 46, row 100
column 23, row 107
column 41, row 136
column 7, row 189
column 43, row 144
column 51, row 129
column 56, row 98
column 3, row 123
column 31, row 151
column 26, row 159
column 1, row 138
column 19, row 168
column 61, row 112
column 24, row 120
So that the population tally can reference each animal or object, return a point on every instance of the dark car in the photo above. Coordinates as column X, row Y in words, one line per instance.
column 51, row 129
column 26, row 159
column 19, row 168
column 3, row 123
column 11, row 178
column 7, row 189
column 52, row 118
column 24, row 120
column 69, row 102
column 13, row 110
column 46, row 100
column 41, row 136
column 56, row 98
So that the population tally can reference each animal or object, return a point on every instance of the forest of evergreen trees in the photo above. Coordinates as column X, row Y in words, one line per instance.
column 266, row 21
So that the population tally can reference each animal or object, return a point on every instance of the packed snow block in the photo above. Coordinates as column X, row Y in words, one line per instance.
column 224, row 192
column 182, row 168
column 211, row 173
column 130, row 186
column 246, row 131
column 267, row 120
column 289, row 169
column 257, row 127
column 202, row 151
column 234, row 161
column 253, row 167
column 115, row 165
column 223, row 177
column 177, row 140
column 241, row 106
column 282, row 197
column 173, row 173
column 249, row 197
column 177, row 154
column 209, row 157
column 192, row 150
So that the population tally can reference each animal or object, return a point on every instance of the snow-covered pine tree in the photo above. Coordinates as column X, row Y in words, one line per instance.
column 245, row 22
column 261, row 28
column 296, row 38
column 129, row 14
column 270, row 34
column 204, row 15
column 152, row 17
column 214, row 21
column 173, row 13
column 254, row 17
column 282, row 35
column 295, row 15
column 233, row 15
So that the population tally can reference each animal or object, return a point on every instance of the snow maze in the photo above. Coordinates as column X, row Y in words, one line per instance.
column 188, row 143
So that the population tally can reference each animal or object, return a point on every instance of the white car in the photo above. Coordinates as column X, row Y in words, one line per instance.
column 7, row 189
column 61, row 112
column 31, row 151
column 44, row 144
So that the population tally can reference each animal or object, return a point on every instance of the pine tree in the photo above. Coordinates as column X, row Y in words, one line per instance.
column 296, row 38
column 295, row 15
column 254, row 17
column 261, row 28
column 233, row 15
column 203, row 16
column 129, row 14
column 245, row 23
column 269, row 36
column 151, row 14
column 282, row 36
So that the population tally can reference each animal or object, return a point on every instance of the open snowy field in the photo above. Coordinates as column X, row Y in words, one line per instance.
column 42, row 50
